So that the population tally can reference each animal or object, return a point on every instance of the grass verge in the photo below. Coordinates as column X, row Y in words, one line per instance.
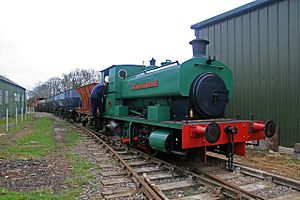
column 12, row 124
column 30, row 195
column 71, row 137
column 39, row 142
column 35, row 144
column 81, row 171
column 80, row 168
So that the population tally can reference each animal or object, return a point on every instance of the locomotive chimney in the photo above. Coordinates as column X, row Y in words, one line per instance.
column 152, row 62
column 199, row 47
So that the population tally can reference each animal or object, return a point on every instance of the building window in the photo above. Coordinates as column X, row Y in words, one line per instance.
column 17, row 97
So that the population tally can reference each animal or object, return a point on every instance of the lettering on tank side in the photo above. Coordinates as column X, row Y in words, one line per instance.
column 145, row 85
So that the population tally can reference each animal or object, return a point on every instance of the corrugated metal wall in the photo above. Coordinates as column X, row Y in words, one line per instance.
column 262, row 47
column 15, row 96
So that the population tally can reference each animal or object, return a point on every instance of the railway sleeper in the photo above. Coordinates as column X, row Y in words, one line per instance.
column 130, row 157
column 120, row 193
column 159, row 176
column 203, row 196
column 106, row 165
column 155, row 173
column 227, row 176
column 115, row 181
column 256, row 186
column 146, row 169
column 137, row 163
column 112, row 173
column 176, row 185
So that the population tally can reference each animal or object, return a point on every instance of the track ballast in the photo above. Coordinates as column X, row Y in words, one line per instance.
column 144, row 177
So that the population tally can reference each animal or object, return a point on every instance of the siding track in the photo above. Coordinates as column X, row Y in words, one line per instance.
column 260, row 183
column 129, row 173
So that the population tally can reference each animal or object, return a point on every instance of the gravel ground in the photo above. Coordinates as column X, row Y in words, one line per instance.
column 50, row 172
column 278, row 163
column 278, row 191
column 92, row 189
column 243, row 180
column 171, row 194
column 134, row 197
column 87, row 150
column 33, row 174
column 24, row 175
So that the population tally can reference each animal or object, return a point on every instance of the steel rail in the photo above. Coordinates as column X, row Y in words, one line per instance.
column 224, row 187
column 219, row 180
column 292, row 183
column 228, row 189
column 151, row 193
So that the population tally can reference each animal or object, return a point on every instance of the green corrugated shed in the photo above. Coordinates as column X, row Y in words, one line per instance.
column 12, row 96
column 260, row 42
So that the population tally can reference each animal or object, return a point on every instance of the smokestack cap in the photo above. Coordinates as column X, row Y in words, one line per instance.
column 199, row 47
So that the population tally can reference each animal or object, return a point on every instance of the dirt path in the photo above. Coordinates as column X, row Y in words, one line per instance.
column 32, row 174
column 10, row 139
column 277, row 163
column 57, row 161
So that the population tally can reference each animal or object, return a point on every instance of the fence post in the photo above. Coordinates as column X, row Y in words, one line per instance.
column 16, row 116
column 22, row 114
column 6, row 129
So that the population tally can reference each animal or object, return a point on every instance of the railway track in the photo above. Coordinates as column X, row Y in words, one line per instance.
column 260, row 183
column 141, row 176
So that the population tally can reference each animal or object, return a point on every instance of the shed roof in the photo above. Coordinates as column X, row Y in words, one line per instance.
column 2, row 78
column 234, row 12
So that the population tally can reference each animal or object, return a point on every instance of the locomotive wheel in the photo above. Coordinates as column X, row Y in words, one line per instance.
column 153, row 153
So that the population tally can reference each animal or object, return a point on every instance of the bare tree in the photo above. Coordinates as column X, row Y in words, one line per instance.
column 71, row 80
column 42, row 90
column 54, row 85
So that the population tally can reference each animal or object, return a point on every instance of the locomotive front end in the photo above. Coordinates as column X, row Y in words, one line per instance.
column 199, row 88
column 179, row 107
column 207, row 82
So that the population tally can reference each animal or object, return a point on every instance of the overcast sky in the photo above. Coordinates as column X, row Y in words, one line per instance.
column 41, row 39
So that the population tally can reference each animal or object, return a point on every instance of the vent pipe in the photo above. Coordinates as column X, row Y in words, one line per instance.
column 199, row 47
